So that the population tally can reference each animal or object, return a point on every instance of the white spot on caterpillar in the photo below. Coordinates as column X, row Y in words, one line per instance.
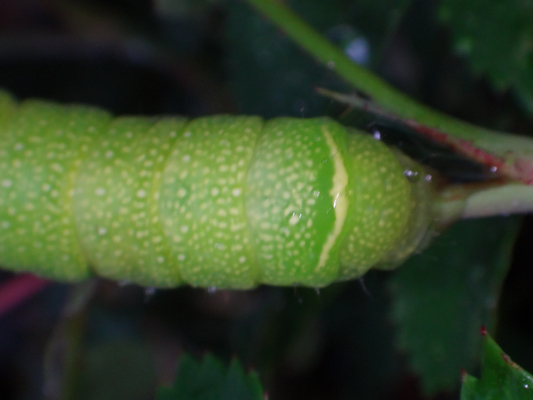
column 100, row 191
column 215, row 192
column 285, row 231
column 294, row 219
column 265, row 237
column 242, row 259
column 237, row 227
column 7, row 183
column 141, row 193
column 102, row 231
column 236, row 192
column 184, row 229
column 181, row 257
column 160, row 259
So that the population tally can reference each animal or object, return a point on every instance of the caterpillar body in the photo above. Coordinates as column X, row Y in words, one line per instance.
column 221, row 201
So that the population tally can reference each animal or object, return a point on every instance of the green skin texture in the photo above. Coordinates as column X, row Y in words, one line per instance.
column 224, row 201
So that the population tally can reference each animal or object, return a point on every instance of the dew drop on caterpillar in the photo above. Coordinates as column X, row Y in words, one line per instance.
column 221, row 201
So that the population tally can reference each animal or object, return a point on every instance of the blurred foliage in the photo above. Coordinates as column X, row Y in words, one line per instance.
column 501, row 378
column 434, row 288
column 497, row 39
column 385, row 336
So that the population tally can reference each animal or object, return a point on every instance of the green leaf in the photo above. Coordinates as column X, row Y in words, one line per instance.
column 496, row 36
column 209, row 379
column 501, row 378
column 443, row 296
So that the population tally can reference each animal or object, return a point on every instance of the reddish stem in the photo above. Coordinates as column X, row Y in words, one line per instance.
column 18, row 289
column 519, row 169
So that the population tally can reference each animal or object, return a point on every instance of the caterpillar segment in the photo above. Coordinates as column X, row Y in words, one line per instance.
column 223, row 201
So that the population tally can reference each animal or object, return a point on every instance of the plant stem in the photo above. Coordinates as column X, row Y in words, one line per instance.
column 364, row 80
column 484, row 200
column 515, row 151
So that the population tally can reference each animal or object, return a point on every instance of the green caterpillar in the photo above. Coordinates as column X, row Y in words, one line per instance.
column 222, row 201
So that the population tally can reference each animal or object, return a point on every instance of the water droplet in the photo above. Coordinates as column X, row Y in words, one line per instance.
column 358, row 50
column 355, row 46
column 148, row 293
column 211, row 289
column 411, row 175
column 376, row 134
column 300, row 107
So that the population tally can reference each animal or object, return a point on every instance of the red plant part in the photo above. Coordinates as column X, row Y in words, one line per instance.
column 18, row 289
column 520, row 170
column 509, row 167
